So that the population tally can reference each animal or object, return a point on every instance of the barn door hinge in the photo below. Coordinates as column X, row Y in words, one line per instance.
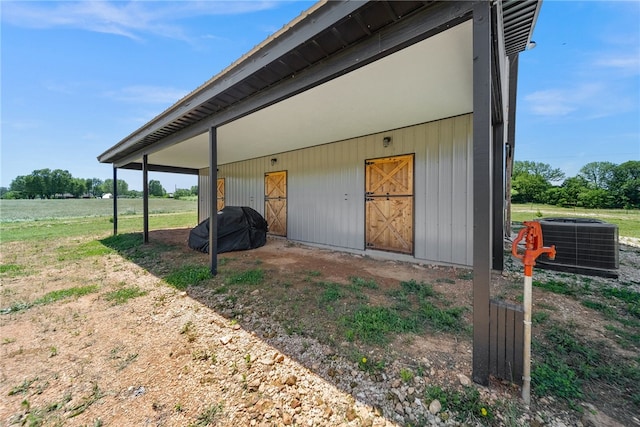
column 370, row 245
column 368, row 199
column 369, row 163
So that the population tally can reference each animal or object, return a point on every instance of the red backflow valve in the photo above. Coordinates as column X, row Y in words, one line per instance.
column 532, row 233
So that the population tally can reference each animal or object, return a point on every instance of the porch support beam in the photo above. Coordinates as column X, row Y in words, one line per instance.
column 482, row 188
column 115, row 200
column 145, row 199
column 213, row 201
column 498, row 197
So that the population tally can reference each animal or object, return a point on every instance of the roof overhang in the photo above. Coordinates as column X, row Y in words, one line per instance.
column 339, row 71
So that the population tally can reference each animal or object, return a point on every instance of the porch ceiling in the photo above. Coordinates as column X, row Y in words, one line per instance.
column 427, row 81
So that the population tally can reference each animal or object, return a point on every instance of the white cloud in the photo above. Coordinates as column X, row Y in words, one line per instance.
column 552, row 102
column 141, row 94
column 581, row 100
column 627, row 63
column 132, row 19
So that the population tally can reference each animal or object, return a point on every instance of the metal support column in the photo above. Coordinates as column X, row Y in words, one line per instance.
column 145, row 199
column 115, row 200
column 482, row 218
column 213, row 200
column 498, row 197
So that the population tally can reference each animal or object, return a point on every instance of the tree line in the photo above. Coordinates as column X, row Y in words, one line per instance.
column 57, row 183
column 597, row 185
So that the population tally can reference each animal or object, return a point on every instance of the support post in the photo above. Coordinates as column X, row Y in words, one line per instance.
column 115, row 200
column 145, row 199
column 482, row 151
column 213, row 200
column 498, row 197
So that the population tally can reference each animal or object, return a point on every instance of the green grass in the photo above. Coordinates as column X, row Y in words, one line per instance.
column 556, row 287
column 567, row 366
column 466, row 404
column 124, row 294
column 11, row 270
column 188, row 275
column 51, row 297
column 249, row 277
column 413, row 312
column 90, row 227
column 374, row 325
column 208, row 416
column 628, row 221
column 83, row 250
column 359, row 282
column 331, row 292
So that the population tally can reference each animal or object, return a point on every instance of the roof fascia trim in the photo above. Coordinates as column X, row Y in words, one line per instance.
column 160, row 168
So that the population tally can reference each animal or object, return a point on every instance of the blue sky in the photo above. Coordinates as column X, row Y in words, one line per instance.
column 77, row 77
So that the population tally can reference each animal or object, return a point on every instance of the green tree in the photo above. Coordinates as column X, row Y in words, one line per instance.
column 181, row 192
column 17, row 188
column 543, row 170
column 77, row 187
column 528, row 188
column 60, row 182
column 598, row 174
column 155, row 188
column 625, row 184
column 35, row 185
column 595, row 198
column 123, row 187
column 194, row 190
column 94, row 186
column 570, row 191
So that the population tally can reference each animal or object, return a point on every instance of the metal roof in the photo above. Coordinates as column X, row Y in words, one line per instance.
column 519, row 18
column 320, row 33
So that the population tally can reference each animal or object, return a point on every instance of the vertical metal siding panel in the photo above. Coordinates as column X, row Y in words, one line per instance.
column 432, row 190
column 204, row 195
column 418, row 138
column 446, row 190
column 459, row 230
column 295, row 191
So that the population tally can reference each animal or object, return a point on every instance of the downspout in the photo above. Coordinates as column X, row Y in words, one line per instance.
column 511, row 139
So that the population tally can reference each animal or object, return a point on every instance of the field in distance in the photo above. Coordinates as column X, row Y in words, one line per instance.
column 627, row 220
column 40, row 219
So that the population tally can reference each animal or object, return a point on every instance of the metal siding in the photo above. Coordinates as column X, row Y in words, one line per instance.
column 459, row 227
column 204, row 195
column 444, row 198
column 430, row 190
column 469, row 187
column 326, row 188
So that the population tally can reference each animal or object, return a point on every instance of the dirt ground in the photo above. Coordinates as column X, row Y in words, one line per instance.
column 261, row 355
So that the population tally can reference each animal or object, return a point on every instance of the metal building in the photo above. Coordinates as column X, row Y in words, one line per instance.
column 361, row 125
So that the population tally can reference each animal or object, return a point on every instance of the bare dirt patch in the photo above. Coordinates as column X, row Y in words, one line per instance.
column 278, row 352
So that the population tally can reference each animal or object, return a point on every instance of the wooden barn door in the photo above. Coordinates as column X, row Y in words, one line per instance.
column 389, row 204
column 275, row 202
column 220, row 194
